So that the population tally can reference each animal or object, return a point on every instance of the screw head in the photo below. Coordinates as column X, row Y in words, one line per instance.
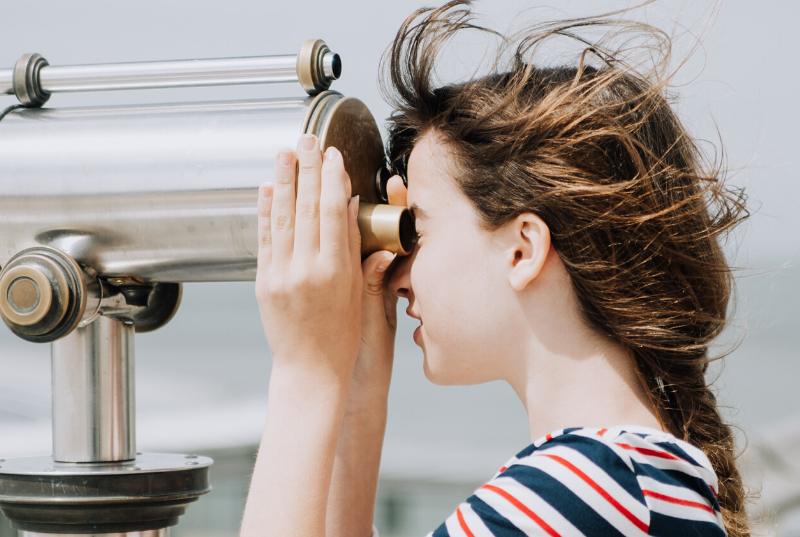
column 192, row 463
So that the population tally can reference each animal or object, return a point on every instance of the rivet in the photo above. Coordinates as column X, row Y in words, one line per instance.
column 191, row 456
column 192, row 463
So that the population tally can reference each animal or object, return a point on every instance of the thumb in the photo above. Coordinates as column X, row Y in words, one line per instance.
column 374, row 269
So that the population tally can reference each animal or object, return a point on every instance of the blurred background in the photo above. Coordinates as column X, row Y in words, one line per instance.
column 202, row 380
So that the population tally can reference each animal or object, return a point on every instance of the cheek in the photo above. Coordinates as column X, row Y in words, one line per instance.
column 459, row 293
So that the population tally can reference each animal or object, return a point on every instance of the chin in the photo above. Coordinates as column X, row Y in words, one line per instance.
column 442, row 373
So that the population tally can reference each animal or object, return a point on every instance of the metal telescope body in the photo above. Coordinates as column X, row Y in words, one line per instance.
column 104, row 213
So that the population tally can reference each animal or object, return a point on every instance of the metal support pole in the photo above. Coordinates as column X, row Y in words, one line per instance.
column 94, row 394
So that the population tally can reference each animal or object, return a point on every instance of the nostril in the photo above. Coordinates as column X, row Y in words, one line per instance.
column 402, row 291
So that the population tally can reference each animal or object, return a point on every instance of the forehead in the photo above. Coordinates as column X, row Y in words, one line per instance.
column 429, row 173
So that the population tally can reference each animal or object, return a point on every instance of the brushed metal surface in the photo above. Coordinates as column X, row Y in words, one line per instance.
column 165, row 193
column 94, row 416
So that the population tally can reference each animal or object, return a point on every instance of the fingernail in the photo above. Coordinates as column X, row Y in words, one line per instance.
column 383, row 265
column 265, row 190
column 307, row 142
column 330, row 153
column 285, row 157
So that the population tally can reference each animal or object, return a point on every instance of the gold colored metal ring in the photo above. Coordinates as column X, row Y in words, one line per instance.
column 35, row 281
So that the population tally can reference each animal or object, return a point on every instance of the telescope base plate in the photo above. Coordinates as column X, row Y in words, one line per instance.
column 150, row 492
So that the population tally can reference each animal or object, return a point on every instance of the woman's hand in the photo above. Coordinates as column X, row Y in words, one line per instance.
column 309, row 287
column 358, row 453
column 309, row 278
column 379, row 314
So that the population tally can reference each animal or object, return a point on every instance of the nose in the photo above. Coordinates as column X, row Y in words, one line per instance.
column 400, row 278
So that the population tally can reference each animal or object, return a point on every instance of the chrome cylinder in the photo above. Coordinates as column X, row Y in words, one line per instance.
column 169, row 74
column 149, row 533
column 163, row 193
column 94, row 394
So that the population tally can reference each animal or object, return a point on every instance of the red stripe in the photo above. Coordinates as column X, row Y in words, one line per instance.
column 463, row 523
column 678, row 501
column 714, row 492
column 630, row 516
column 651, row 452
column 548, row 437
column 519, row 505
column 601, row 432
column 503, row 469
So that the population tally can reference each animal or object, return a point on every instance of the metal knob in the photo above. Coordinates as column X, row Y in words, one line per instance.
column 43, row 294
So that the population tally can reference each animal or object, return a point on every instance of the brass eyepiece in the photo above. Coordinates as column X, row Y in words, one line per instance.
column 385, row 227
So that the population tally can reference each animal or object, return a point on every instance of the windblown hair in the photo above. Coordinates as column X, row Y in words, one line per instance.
column 636, row 211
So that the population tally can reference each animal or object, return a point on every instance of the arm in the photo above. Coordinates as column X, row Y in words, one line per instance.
column 351, row 504
column 308, row 286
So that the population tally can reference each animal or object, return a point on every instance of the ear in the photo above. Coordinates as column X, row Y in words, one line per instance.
column 530, row 245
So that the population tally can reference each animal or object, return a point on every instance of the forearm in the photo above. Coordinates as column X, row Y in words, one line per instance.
column 291, row 481
column 351, row 504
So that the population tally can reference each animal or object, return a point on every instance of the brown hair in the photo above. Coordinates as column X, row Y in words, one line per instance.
column 636, row 212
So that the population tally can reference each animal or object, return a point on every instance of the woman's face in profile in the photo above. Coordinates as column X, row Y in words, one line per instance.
column 456, row 279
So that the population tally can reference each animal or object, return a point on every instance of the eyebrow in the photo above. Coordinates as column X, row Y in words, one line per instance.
column 416, row 211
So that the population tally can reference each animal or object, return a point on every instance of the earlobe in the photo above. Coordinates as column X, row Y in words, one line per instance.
column 530, row 248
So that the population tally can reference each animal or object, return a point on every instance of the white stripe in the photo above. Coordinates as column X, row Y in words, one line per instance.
column 683, row 512
column 453, row 527
column 533, row 502
column 676, row 510
column 474, row 522
column 679, row 465
column 704, row 469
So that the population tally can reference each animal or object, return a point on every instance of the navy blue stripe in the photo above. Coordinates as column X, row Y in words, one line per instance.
column 441, row 531
column 606, row 458
column 667, row 526
column 563, row 500
column 676, row 450
column 499, row 525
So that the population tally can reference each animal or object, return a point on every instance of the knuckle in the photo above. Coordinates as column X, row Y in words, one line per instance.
column 284, row 178
column 282, row 222
column 307, row 209
column 332, row 210
column 308, row 165
column 373, row 288
column 265, row 239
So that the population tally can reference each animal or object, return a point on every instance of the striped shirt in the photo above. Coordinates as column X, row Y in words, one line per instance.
column 596, row 482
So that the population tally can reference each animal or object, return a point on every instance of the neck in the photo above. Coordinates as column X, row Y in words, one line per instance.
column 567, row 374
column 592, row 387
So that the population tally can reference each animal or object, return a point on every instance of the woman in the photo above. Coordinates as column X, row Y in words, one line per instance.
column 568, row 244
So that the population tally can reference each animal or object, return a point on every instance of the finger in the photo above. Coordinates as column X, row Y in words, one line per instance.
column 397, row 191
column 374, row 270
column 283, row 207
column 306, row 235
column 334, row 224
column 264, row 226
column 354, row 233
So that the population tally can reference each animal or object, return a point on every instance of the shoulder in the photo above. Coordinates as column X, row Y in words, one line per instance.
column 620, row 481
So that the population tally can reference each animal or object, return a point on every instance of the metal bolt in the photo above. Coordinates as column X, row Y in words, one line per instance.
column 191, row 456
column 192, row 463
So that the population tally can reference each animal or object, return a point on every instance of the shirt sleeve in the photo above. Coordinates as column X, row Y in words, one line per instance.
column 570, row 486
